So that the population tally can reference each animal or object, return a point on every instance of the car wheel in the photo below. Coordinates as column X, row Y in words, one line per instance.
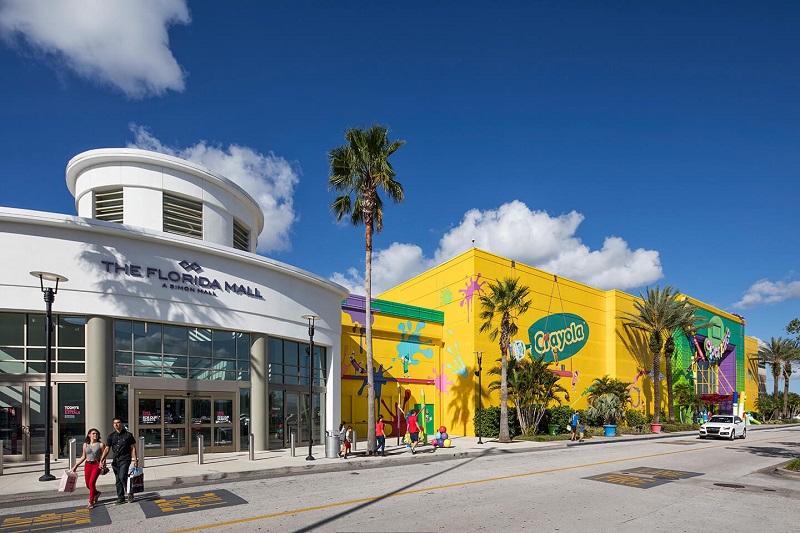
column 702, row 437
column 733, row 435
column 744, row 434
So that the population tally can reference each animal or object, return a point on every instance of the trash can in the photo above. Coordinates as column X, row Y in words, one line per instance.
column 332, row 446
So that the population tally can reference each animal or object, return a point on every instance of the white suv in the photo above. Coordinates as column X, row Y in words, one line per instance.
column 726, row 426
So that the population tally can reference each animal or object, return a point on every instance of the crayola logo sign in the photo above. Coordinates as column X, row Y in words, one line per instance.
column 565, row 332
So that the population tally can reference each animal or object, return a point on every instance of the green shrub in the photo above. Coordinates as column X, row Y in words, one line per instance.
column 673, row 428
column 635, row 418
column 560, row 415
column 794, row 465
column 490, row 426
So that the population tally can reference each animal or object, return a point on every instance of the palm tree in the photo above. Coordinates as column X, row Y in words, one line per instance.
column 790, row 356
column 609, row 385
column 773, row 354
column 685, row 321
column 685, row 396
column 506, row 300
column 532, row 387
column 653, row 316
column 359, row 170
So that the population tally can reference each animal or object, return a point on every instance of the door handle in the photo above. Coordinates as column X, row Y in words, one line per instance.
column 25, row 429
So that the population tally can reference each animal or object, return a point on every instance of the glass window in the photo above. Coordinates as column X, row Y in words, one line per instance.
column 290, row 355
column 147, row 371
column 199, row 341
column 37, row 354
column 224, row 344
column 176, row 340
column 12, row 329
column 7, row 354
column 275, row 349
column 71, row 368
column 68, row 354
column 147, row 337
column 36, row 330
column 244, row 418
column 13, row 367
column 121, row 402
column 123, row 332
column 123, row 358
column 146, row 359
column 71, row 415
column 71, row 331
column 275, row 373
column 243, row 346
column 199, row 362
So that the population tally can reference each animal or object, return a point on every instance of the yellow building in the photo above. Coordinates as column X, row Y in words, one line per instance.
column 426, row 340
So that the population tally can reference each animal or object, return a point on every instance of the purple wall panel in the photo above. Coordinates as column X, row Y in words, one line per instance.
column 727, row 368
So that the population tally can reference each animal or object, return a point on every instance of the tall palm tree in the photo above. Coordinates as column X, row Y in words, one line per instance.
column 359, row 170
column 653, row 316
column 773, row 354
column 684, row 321
column 790, row 356
column 505, row 300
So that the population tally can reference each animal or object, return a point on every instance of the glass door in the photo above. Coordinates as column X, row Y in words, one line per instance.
column 291, row 419
column 175, row 426
column 23, row 422
column 151, row 425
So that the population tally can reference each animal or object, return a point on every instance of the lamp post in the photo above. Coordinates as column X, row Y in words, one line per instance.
column 311, row 319
column 49, row 298
column 479, row 356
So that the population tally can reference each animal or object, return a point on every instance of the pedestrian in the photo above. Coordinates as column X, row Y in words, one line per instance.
column 413, row 430
column 92, row 454
column 573, row 425
column 581, row 431
column 348, row 440
column 122, row 443
column 342, row 439
column 379, row 433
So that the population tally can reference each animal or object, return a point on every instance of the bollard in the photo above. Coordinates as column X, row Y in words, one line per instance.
column 72, row 458
column 292, row 443
column 2, row 449
column 251, row 439
column 355, row 440
column 199, row 449
column 140, row 452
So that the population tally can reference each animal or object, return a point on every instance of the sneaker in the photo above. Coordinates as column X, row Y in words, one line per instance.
column 130, row 498
column 119, row 501
column 96, row 496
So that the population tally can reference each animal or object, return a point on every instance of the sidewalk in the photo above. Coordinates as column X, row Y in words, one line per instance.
column 20, row 481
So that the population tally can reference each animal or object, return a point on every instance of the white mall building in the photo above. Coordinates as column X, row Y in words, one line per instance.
column 169, row 319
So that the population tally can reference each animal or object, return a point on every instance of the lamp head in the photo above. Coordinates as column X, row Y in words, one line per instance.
column 51, row 277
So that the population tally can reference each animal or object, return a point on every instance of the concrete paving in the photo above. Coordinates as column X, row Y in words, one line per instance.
column 20, row 481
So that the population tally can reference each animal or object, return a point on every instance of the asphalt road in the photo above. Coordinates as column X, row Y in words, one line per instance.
column 675, row 484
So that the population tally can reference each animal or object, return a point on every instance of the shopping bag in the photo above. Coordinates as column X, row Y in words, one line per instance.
column 135, row 480
column 68, row 481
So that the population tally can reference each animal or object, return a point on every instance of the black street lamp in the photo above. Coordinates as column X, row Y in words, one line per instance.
column 311, row 319
column 479, row 355
column 49, row 298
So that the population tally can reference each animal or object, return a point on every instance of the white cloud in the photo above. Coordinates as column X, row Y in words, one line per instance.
column 531, row 237
column 269, row 179
column 764, row 292
column 112, row 42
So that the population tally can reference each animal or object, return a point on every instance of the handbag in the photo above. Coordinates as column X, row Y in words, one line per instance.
column 135, row 480
column 103, row 470
column 68, row 481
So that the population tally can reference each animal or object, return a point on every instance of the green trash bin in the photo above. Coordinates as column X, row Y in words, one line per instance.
column 552, row 429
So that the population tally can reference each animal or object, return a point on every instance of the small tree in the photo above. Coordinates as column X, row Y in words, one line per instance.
column 609, row 385
column 607, row 407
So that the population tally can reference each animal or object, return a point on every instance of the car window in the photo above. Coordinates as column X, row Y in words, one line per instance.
column 738, row 420
column 721, row 419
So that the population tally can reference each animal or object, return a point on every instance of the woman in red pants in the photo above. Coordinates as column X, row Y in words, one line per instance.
column 92, row 451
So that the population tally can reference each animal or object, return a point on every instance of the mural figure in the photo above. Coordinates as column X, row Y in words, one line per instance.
column 409, row 345
column 473, row 288
column 379, row 379
column 574, row 380
column 457, row 366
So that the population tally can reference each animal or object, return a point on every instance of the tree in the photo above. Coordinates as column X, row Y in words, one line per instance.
column 683, row 321
column 532, row 387
column 609, row 385
column 773, row 353
column 790, row 356
column 686, row 397
column 359, row 170
column 607, row 407
column 505, row 301
column 653, row 316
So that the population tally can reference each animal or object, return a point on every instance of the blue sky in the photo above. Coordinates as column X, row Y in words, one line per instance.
column 620, row 144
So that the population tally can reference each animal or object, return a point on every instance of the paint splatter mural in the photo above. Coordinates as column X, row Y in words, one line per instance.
column 457, row 365
column 473, row 287
column 441, row 381
column 409, row 346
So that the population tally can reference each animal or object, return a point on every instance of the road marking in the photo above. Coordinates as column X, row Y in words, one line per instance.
column 186, row 503
column 662, row 472
column 59, row 520
column 461, row 484
column 628, row 481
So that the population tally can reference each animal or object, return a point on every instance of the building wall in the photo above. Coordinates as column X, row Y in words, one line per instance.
column 582, row 320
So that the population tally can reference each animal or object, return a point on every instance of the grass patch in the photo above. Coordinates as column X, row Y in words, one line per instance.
column 794, row 465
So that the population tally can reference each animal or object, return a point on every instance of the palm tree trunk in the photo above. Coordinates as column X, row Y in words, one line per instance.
column 776, row 376
column 657, row 387
column 371, row 440
column 786, row 395
column 670, row 348
column 504, row 433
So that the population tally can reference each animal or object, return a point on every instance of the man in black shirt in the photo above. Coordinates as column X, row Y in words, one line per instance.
column 123, row 444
